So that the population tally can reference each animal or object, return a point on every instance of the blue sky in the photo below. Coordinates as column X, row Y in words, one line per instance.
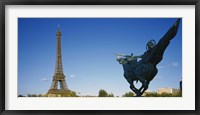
column 88, row 48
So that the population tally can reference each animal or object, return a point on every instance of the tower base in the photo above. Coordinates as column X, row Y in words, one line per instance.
column 61, row 93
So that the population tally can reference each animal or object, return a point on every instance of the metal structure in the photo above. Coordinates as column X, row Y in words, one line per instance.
column 59, row 77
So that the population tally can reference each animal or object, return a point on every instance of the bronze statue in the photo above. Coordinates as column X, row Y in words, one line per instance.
column 145, row 69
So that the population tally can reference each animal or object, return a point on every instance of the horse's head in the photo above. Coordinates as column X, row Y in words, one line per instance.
column 123, row 59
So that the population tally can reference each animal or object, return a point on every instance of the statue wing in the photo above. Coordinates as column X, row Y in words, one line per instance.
column 170, row 34
column 160, row 47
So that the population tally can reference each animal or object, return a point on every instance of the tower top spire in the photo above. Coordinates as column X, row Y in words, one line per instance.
column 58, row 27
column 58, row 32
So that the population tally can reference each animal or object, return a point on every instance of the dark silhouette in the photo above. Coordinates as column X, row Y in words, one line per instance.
column 145, row 69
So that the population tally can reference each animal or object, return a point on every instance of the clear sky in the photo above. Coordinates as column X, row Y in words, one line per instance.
column 88, row 48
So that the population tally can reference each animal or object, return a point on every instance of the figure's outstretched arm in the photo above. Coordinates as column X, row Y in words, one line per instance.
column 138, row 56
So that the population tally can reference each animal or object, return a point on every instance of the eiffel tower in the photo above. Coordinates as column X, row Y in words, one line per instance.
column 59, row 77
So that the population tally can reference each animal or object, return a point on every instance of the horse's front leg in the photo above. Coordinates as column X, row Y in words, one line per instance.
column 144, row 86
column 133, row 88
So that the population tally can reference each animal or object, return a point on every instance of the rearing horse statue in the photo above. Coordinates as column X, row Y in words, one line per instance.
column 145, row 69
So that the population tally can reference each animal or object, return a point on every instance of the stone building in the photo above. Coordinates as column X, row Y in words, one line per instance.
column 168, row 90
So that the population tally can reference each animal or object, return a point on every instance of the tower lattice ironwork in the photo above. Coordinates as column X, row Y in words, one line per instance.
column 59, row 77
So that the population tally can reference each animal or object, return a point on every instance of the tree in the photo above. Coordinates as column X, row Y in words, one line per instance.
column 40, row 95
column 165, row 95
column 73, row 94
column 152, row 94
column 103, row 93
column 111, row 95
column 69, row 93
column 21, row 95
column 128, row 94
column 32, row 95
